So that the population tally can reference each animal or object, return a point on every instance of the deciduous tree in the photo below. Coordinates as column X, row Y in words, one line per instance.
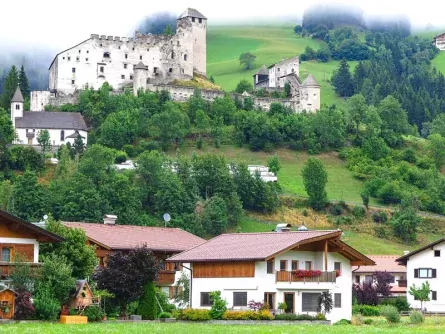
column 246, row 60
column 315, row 179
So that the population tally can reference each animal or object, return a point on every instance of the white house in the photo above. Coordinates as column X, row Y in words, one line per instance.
column 439, row 41
column 386, row 263
column 274, row 267
column 427, row 264
column 63, row 127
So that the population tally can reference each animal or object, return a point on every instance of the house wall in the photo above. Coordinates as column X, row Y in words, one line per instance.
column 284, row 67
column 426, row 259
column 25, row 246
column 440, row 43
column 264, row 282
column 54, row 136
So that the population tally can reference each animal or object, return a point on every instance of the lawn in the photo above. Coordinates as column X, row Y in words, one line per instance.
column 264, row 327
column 269, row 44
column 341, row 182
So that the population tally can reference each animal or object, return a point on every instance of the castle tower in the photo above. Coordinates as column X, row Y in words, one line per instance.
column 310, row 89
column 17, row 106
column 140, row 77
column 198, row 25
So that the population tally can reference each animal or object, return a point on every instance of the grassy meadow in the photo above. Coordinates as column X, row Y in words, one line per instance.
column 269, row 43
column 439, row 61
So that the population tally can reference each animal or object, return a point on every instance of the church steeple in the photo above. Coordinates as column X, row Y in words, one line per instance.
column 17, row 105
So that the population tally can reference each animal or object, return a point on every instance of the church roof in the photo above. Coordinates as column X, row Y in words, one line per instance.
column 310, row 82
column 262, row 71
column 141, row 66
column 18, row 97
column 51, row 120
column 192, row 12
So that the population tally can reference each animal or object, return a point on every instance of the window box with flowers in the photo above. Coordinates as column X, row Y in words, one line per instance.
column 303, row 273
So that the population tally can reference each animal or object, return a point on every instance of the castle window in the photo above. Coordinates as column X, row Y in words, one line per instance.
column 62, row 135
column 133, row 48
column 173, row 55
column 119, row 47
column 77, row 58
column 17, row 107
column 88, row 51
column 73, row 82
column 125, row 66
column 63, row 58
column 200, row 20
column 100, row 44
column 101, row 69
column 122, row 76
column 79, row 51
column 155, row 70
column 185, row 57
column 69, row 58
column 106, row 55
column 193, row 19
column 131, row 77
column 178, row 43
column 73, row 70
column 170, row 70
column 140, row 57
column 86, row 59
column 126, row 56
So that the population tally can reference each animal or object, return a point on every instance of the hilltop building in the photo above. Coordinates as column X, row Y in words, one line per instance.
column 305, row 95
column 63, row 127
column 439, row 41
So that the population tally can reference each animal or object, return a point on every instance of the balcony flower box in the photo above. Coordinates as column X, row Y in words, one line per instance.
column 303, row 273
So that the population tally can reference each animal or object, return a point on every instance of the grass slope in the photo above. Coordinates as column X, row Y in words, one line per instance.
column 269, row 44
column 439, row 61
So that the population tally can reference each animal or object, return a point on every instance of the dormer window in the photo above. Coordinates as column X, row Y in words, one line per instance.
column 106, row 55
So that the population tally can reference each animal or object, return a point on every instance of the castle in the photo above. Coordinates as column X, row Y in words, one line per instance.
column 154, row 62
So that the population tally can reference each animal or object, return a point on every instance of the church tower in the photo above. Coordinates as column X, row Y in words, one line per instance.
column 17, row 106
column 198, row 24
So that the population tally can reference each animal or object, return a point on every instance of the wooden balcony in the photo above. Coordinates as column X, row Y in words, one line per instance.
column 166, row 277
column 290, row 277
column 6, row 268
column 403, row 283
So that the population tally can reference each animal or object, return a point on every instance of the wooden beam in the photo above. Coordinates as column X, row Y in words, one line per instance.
column 326, row 255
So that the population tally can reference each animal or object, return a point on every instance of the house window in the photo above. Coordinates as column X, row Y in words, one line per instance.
column 433, row 295
column 126, row 56
column 140, row 57
column 77, row 58
column 170, row 70
column 122, row 77
column 205, row 299
column 178, row 43
column 200, row 20
column 62, row 135
column 240, row 299
column 270, row 266
column 17, row 107
column 33, row 130
column 337, row 266
column 357, row 279
column 437, row 253
column 173, row 55
column 308, row 265
column 73, row 70
column 125, row 66
column 133, row 48
column 101, row 69
column 369, row 279
column 425, row 273
column 88, row 51
column 6, row 254
column 283, row 265
column 106, row 55
column 278, row 69
column 337, row 299
column 309, row 302
column 193, row 19
column 73, row 82
column 69, row 58
column 155, row 70
column 294, row 264
column 269, row 298
column 131, row 77
column 86, row 59
column 392, row 279
column 185, row 57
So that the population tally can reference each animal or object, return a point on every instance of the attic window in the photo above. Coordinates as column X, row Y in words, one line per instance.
column 106, row 55
column 437, row 253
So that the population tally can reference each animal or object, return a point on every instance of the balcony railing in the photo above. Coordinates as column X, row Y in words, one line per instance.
column 289, row 276
column 6, row 268
column 166, row 277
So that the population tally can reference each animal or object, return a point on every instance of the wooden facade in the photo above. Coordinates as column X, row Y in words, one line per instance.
column 223, row 269
column 7, row 302
column 26, row 251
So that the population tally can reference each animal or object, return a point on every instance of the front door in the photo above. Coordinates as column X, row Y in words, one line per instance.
column 29, row 141
column 289, row 299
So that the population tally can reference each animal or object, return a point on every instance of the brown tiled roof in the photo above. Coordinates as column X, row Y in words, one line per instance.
column 383, row 263
column 250, row 246
column 128, row 237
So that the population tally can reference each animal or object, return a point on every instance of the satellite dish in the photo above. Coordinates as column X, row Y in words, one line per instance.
column 45, row 217
column 167, row 217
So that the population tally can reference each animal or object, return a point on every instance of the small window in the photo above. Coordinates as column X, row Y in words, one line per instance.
column 148, row 49
column 131, row 77
column 308, row 265
column 437, row 253
column 73, row 70
column 283, row 265
column 200, row 20
column 140, row 57
column 294, row 264
column 205, row 299
column 17, row 107
column 337, row 266
column 100, row 44
column 369, row 279
column 433, row 295
column 337, row 300
column 133, row 48
column 62, row 135
column 6, row 254
column 240, row 299
column 173, row 55
column 185, row 57
column 357, row 279
column 26, row 130
column 170, row 70
column 125, row 66
column 155, row 70
column 79, row 51
column 73, row 82
column 126, row 56
column 101, row 69
column 178, row 43
column 122, row 77
column 309, row 302
column 33, row 130
column 193, row 19
column 63, row 58
column 69, row 58
column 270, row 266
column 107, row 55
column 86, row 59
column 88, row 51
column 425, row 273
column 119, row 47
column 278, row 69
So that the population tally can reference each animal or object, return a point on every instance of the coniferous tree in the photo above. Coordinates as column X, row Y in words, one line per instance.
column 9, row 86
column 24, row 83
column 342, row 80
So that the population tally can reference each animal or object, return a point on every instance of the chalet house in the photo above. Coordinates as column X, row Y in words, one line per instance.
column 164, row 242
column 275, row 267
column 439, row 41
column 386, row 263
column 20, row 238
column 426, row 264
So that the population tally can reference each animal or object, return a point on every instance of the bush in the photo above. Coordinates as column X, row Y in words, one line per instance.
column 336, row 210
column 148, row 307
column 265, row 315
column 400, row 302
column 241, row 315
column 219, row 305
column 120, row 157
column 286, row 316
column 379, row 216
column 129, row 149
column 358, row 212
column 366, row 310
column 343, row 322
column 24, row 309
column 357, row 320
column 305, row 213
column 305, row 317
column 164, row 315
column 47, row 307
column 195, row 315
column 320, row 316
column 391, row 313
column 93, row 313
column 415, row 317
column 368, row 321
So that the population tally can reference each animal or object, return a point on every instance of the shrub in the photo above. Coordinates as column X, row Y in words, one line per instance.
column 320, row 316
column 358, row 211
column 286, row 316
column 343, row 322
column 120, row 157
column 241, row 315
column 391, row 313
column 195, row 315
column 415, row 317
column 129, row 149
column 336, row 210
column 368, row 321
column 400, row 302
column 24, row 309
column 265, row 315
column 93, row 313
column 47, row 307
column 148, row 307
column 357, row 320
column 305, row 213
column 305, row 317
column 219, row 305
column 164, row 315
column 366, row 310
column 379, row 216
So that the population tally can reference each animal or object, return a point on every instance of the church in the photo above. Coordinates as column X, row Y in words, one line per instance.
column 63, row 127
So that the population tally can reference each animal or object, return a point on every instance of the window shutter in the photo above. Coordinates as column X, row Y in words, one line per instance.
column 434, row 273
column 434, row 295
column 416, row 273
column 337, row 300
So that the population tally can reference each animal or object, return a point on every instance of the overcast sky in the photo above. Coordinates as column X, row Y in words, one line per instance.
column 59, row 24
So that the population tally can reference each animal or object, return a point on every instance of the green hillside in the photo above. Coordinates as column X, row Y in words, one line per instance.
column 269, row 44
column 439, row 61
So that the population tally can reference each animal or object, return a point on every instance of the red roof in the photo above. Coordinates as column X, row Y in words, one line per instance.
column 129, row 237
column 383, row 263
column 255, row 246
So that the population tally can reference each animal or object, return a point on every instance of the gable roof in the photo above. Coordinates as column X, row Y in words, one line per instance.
column 310, row 82
column 18, row 97
column 79, row 287
column 262, row 71
column 192, row 12
column 141, row 66
column 259, row 246
column 382, row 263
column 440, row 35
column 120, row 237
column 51, row 120
column 404, row 259
column 20, row 223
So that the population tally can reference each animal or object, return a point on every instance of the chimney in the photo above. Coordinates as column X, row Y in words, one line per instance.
column 110, row 219
column 405, row 252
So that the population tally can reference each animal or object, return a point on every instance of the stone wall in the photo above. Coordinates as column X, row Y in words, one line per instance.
column 40, row 99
